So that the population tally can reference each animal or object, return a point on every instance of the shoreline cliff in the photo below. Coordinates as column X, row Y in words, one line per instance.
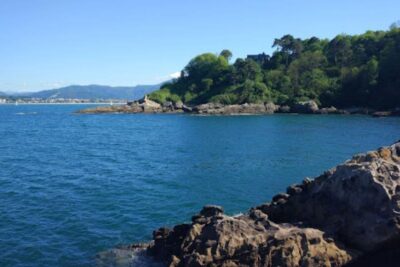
column 348, row 216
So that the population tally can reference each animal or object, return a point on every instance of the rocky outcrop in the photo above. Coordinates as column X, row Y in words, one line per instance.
column 215, row 239
column 357, row 202
column 350, row 215
column 216, row 108
column 148, row 106
column 307, row 107
column 142, row 106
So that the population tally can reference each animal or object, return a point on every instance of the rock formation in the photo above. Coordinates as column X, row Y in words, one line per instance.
column 306, row 107
column 348, row 215
column 146, row 105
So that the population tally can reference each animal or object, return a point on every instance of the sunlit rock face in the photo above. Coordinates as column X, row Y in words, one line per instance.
column 348, row 215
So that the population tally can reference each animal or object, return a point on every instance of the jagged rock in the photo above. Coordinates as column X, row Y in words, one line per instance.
column 249, row 241
column 358, row 201
column 334, row 219
column 146, row 105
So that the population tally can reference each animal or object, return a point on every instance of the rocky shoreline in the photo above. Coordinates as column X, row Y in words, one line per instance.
column 307, row 107
column 348, row 216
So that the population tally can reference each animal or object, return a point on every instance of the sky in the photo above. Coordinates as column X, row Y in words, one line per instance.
column 49, row 44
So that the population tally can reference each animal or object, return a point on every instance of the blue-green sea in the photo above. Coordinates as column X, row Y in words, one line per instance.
column 74, row 185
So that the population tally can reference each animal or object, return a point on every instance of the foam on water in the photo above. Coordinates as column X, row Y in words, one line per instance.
column 25, row 113
column 125, row 258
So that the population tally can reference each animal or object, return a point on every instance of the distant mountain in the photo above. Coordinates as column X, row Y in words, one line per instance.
column 95, row 92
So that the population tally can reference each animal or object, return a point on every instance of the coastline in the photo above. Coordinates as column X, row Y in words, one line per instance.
column 307, row 107
column 348, row 216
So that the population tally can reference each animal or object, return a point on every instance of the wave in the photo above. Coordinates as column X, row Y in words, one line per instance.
column 125, row 257
column 25, row 113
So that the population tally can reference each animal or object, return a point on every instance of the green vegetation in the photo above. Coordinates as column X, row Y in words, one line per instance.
column 360, row 70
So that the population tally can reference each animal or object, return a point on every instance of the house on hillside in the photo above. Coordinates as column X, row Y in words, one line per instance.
column 260, row 58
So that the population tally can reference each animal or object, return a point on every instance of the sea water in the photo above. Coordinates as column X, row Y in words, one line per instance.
column 73, row 185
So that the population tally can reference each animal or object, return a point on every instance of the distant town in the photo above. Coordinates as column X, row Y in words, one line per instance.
column 12, row 100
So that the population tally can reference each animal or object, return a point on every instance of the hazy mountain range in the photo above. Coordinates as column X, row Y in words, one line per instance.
column 90, row 92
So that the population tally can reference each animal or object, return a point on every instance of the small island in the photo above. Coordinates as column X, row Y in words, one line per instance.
column 345, row 75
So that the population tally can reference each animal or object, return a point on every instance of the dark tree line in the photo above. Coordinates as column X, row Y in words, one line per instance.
column 360, row 70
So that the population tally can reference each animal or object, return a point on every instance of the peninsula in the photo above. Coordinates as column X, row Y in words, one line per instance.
column 336, row 75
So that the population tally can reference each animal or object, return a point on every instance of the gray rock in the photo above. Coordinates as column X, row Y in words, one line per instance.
column 305, row 107
column 178, row 105
column 284, row 109
column 167, row 104
column 271, row 107
column 356, row 200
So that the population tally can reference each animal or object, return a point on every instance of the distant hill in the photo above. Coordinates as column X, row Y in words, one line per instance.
column 94, row 92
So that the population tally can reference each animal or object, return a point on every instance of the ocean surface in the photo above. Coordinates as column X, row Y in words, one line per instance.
column 72, row 185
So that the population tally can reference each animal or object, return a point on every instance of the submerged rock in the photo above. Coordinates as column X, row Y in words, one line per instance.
column 344, row 216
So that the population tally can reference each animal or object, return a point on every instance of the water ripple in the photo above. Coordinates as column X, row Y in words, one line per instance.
column 73, row 186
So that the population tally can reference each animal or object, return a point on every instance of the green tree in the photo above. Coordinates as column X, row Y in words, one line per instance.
column 227, row 54
column 289, row 46
column 339, row 50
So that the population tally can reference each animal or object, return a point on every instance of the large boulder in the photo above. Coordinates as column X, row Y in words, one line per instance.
column 334, row 219
column 271, row 107
column 358, row 201
column 215, row 239
column 305, row 107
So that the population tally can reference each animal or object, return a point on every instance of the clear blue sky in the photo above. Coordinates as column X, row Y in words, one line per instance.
column 52, row 43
